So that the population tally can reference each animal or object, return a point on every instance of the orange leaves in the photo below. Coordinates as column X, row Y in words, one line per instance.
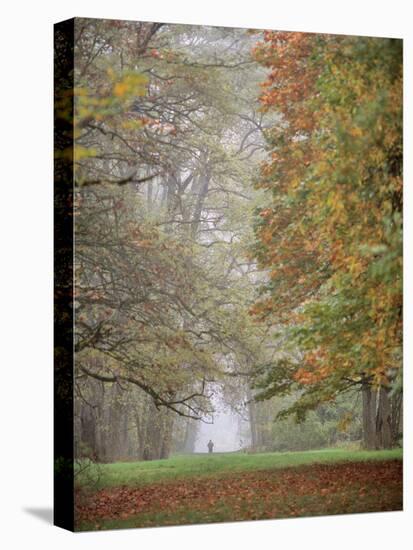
column 261, row 309
column 289, row 79
column 330, row 234
column 120, row 89
column 309, row 490
column 266, row 235
column 304, row 377
column 130, row 85
column 316, row 368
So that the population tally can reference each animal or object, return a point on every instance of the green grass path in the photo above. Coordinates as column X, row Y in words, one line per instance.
column 217, row 464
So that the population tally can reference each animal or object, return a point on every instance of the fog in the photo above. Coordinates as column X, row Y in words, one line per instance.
column 229, row 431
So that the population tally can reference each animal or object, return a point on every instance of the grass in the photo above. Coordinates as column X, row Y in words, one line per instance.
column 235, row 487
column 220, row 464
column 293, row 506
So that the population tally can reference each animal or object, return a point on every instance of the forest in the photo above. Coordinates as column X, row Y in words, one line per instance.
column 237, row 271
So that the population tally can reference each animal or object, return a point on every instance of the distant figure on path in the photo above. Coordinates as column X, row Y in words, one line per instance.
column 210, row 446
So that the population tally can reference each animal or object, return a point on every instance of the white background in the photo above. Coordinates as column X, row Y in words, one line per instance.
column 26, row 273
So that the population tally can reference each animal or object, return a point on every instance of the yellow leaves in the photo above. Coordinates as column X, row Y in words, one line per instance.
column 356, row 131
column 81, row 152
column 80, row 91
column 335, row 200
column 355, row 266
column 132, row 124
column 132, row 84
column 120, row 89
column 334, row 172
column 89, row 106
column 103, row 103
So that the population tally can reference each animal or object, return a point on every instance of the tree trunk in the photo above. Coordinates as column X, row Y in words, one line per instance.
column 369, row 415
column 166, row 437
column 396, row 402
column 191, row 433
column 87, row 431
column 383, row 420
column 152, row 443
column 381, row 417
column 252, row 414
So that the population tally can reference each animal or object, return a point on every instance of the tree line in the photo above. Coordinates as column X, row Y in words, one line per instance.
column 237, row 230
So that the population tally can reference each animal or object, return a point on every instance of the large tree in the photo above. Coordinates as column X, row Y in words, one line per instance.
column 165, row 149
column 329, row 233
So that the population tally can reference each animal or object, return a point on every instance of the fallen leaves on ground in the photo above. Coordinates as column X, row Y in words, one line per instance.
column 308, row 490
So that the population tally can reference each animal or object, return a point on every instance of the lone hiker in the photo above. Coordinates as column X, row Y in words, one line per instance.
column 210, row 446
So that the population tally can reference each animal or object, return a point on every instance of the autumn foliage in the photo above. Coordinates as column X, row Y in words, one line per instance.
column 330, row 232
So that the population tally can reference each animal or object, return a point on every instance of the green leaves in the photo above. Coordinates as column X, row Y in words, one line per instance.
column 331, row 236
